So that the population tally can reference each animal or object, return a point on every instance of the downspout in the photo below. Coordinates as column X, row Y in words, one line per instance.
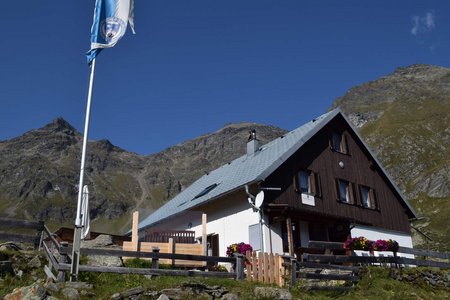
column 251, row 201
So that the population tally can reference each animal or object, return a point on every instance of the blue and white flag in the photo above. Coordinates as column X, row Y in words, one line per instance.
column 110, row 23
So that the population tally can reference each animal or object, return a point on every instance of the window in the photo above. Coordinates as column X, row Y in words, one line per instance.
column 307, row 182
column 367, row 196
column 304, row 181
column 339, row 143
column 345, row 191
column 206, row 190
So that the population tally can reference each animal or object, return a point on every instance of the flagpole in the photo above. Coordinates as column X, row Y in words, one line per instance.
column 78, row 226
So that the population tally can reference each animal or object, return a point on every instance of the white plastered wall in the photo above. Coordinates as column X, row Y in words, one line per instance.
column 230, row 222
column 374, row 233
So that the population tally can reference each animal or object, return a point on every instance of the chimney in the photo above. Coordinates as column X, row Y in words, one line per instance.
column 253, row 143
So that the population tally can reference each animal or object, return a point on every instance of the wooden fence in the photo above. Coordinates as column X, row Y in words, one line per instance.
column 57, row 254
column 27, row 226
column 422, row 257
column 171, row 248
column 310, row 266
column 266, row 268
column 160, row 236
column 168, row 242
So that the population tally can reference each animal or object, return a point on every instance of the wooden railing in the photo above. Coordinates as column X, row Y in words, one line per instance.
column 158, row 236
column 238, row 261
column 6, row 223
column 396, row 259
column 352, row 263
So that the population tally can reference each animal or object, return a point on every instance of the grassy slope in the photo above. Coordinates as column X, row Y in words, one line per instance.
column 409, row 140
column 376, row 283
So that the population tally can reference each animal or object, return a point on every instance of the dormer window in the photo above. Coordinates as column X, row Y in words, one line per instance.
column 339, row 143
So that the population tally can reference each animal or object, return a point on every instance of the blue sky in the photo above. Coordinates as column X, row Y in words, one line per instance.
column 194, row 66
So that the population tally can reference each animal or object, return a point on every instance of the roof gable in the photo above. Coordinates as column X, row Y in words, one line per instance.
column 248, row 169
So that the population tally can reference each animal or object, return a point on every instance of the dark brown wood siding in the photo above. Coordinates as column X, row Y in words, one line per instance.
column 358, row 168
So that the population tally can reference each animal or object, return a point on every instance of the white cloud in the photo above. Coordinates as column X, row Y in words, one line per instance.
column 423, row 24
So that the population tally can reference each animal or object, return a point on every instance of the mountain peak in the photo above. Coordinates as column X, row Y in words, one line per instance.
column 60, row 125
column 420, row 71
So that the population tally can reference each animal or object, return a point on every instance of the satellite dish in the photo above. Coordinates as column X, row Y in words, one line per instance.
column 259, row 199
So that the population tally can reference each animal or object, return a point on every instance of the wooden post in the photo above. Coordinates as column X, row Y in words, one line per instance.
column 255, row 266
column 271, row 269
column 293, row 272
column 260, row 267
column 239, row 266
column 278, row 274
column 266, row 268
column 205, row 244
column 172, row 250
column 134, row 232
column 155, row 261
column 248, row 256
column 290, row 237
column 63, row 260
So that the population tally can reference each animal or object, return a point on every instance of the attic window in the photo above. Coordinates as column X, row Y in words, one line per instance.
column 338, row 143
column 206, row 190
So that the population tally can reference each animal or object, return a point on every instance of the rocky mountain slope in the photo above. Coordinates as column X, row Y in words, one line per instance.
column 405, row 119
column 39, row 173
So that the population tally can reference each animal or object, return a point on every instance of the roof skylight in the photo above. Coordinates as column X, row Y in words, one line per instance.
column 206, row 190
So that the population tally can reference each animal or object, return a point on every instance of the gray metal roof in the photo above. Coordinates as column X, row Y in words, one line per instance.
column 245, row 170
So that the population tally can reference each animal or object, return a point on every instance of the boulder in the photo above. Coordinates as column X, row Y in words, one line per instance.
column 35, row 262
column 230, row 296
column 70, row 293
column 32, row 292
column 272, row 293
column 102, row 241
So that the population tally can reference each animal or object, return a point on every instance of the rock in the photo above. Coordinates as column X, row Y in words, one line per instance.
column 102, row 240
column 272, row 293
column 150, row 294
column 35, row 262
column 163, row 297
column 32, row 292
column 116, row 296
column 85, row 294
column 52, row 287
column 70, row 293
column 79, row 285
column 230, row 296
column 10, row 246
column 131, row 292
column 178, row 293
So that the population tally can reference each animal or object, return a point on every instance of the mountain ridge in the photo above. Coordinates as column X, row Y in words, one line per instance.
column 404, row 117
column 39, row 172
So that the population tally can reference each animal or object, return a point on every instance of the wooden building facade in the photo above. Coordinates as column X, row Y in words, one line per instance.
column 320, row 181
